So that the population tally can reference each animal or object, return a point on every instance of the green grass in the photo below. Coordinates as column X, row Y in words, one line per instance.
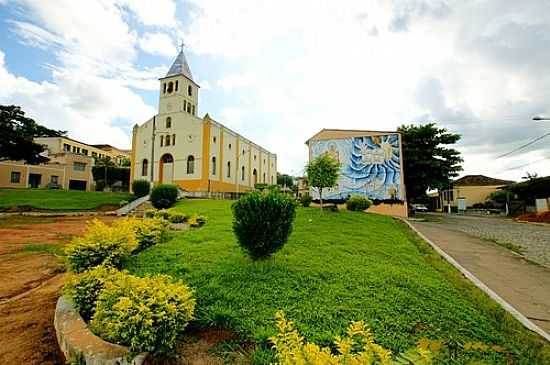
column 58, row 200
column 53, row 249
column 336, row 267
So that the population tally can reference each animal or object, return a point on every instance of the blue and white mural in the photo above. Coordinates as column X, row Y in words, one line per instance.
column 370, row 165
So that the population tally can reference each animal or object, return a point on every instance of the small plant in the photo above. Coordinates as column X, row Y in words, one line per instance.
column 99, row 245
column 148, row 232
column 197, row 220
column 123, row 203
column 306, row 200
column 357, row 348
column 164, row 196
column 149, row 213
column 263, row 222
column 169, row 215
column 146, row 314
column 83, row 289
column 358, row 203
column 141, row 188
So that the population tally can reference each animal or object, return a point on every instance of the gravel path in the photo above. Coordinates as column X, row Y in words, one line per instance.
column 534, row 240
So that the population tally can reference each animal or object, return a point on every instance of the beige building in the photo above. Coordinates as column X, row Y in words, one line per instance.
column 473, row 188
column 56, row 145
column 197, row 154
column 64, row 170
column 371, row 165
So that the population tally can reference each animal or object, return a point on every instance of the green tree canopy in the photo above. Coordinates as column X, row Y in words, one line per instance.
column 322, row 172
column 17, row 135
column 286, row 180
column 427, row 162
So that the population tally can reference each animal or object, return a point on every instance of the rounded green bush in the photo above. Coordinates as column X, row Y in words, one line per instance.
column 164, row 196
column 141, row 188
column 263, row 222
column 306, row 200
column 358, row 203
column 145, row 314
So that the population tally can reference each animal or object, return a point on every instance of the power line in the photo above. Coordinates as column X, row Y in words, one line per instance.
column 527, row 164
column 525, row 145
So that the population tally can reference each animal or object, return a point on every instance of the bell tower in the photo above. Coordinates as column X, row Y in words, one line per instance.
column 178, row 90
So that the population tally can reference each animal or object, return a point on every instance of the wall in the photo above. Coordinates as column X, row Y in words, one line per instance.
column 473, row 194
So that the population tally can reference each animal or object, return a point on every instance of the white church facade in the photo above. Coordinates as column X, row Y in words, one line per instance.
column 197, row 154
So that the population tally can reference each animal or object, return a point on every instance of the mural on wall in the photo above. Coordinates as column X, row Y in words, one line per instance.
column 369, row 165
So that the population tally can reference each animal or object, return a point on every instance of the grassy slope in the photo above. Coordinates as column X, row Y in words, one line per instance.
column 336, row 268
column 59, row 199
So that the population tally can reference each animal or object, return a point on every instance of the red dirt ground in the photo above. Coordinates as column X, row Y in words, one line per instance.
column 31, row 284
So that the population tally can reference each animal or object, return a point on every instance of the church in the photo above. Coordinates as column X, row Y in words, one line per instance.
column 197, row 154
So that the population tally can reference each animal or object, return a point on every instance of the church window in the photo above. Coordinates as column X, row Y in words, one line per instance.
column 190, row 164
column 168, row 122
column 228, row 168
column 144, row 165
column 189, row 108
column 176, row 85
column 173, row 139
column 254, row 157
column 189, row 90
column 167, row 140
column 213, row 165
column 242, row 173
column 161, row 141
column 264, row 178
column 230, row 146
column 184, row 105
column 164, row 88
column 193, row 110
column 214, row 139
column 170, row 87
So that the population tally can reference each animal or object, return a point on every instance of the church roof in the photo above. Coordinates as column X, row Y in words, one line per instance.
column 180, row 67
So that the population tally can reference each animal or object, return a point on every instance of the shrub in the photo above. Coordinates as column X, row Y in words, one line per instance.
column 306, row 200
column 164, row 196
column 149, row 213
column 146, row 314
column 262, row 222
column 357, row 348
column 148, row 232
column 99, row 245
column 83, row 289
column 358, row 202
column 141, row 188
column 197, row 220
column 169, row 215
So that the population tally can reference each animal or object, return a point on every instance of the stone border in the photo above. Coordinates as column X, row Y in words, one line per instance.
column 79, row 344
column 504, row 304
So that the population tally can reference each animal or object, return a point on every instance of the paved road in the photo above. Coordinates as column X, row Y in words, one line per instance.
column 524, row 285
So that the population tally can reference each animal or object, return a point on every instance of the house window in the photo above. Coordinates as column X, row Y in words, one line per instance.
column 190, row 164
column 213, row 165
column 15, row 177
column 189, row 90
column 242, row 173
column 167, row 140
column 176, row 85
column 66, row 147
column 85, row 152
column 161, row 141
column 228, row 168
column 144, row 167
column 74, row 149
column 79, row 166
column 173, row 139
column 54, row 179
column 168, row 122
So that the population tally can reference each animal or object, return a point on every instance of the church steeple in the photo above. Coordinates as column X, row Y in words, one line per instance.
column 180, row 66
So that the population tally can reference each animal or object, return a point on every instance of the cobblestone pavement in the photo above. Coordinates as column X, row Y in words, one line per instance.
column 534, row 240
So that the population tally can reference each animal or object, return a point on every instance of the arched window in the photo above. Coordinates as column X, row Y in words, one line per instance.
column 213, row 165
column 189, row 108
column 271, row 180
column 144, row 167
column 255, row 174
column 184, row 105
column 167, row 140
column 242, row 173
column 169, row 122
column 173, row 139
column 164, row 88
column 214, row 139
column 170, row 87
column 193, row 111
column 189, row 90
column 230, row 146
column 190, row 164
column 176, row 85
column 161, row 141
column 228, row 168
column 264, row 178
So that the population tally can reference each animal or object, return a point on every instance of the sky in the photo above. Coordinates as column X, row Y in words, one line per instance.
column 279, row 71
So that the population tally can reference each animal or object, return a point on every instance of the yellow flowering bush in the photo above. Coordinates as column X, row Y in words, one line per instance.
column 146, row 314
column 197, row 220
column 357, row 348
column 99, row 245
column 170, row 215
column 148, row 232
column 83, row 289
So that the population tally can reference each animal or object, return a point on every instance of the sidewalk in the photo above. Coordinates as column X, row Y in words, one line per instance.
column 524, row 285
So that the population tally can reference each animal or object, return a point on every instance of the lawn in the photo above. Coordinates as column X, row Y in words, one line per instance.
column 60, row 200
column 337, row 267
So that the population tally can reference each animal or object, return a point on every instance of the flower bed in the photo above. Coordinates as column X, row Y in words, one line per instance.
column 534, row 217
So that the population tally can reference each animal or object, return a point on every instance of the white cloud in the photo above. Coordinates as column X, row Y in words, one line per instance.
column 234, row 81
column 157, row 44
column 157, row 12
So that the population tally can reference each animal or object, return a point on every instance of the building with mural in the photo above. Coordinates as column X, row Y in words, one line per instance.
column 198, row 154
column 371, row 165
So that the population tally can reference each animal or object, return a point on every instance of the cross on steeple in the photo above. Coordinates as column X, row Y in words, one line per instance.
column 182, row 45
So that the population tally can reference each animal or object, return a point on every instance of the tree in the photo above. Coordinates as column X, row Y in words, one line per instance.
column 285, row 180
column 322, row 172
column 17, row 136
column 427, row 163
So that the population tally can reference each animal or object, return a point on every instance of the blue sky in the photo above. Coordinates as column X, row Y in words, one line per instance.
column 278, row 72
